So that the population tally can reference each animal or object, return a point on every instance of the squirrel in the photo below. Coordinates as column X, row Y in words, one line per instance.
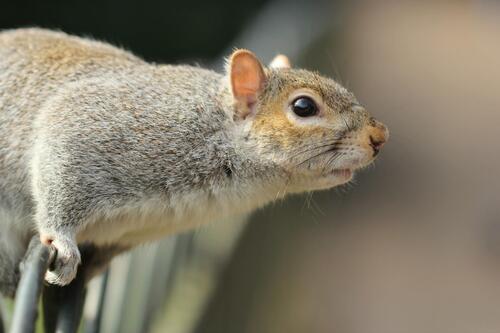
column 98, row 146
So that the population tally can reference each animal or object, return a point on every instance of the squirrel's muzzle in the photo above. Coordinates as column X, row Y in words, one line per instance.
column 378, row 134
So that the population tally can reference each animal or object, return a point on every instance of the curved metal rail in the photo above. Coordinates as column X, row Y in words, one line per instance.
column 62, row 306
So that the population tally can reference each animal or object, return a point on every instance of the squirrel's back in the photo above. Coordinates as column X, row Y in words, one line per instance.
column 44, row 48
column 35, row 62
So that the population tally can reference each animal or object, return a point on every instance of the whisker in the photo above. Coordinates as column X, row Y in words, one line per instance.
column 314, row 146
column 332, row 149
column 283, row 190
column 305, row 203
column 333, row 159
column 328, row 141
column 316, row 206
column 346, row 124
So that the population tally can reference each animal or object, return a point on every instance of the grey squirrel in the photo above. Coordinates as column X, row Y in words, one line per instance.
column 98, row 146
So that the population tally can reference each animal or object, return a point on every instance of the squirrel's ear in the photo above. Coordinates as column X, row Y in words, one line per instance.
column 247, row 79
column 280, row 61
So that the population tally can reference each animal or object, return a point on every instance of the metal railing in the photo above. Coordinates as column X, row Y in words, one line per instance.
column 62, row 306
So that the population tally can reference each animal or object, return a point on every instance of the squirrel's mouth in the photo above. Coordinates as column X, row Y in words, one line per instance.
column 321, row 179
column 342, row 173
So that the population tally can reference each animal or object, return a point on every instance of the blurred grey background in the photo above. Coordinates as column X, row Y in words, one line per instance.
column 413, row 245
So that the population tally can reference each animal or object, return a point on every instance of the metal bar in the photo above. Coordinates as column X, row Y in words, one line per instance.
column 70, row 310
column 30, row 286
column 63, row 306
column 2, row 327
column 50, row 298
column 94, row 325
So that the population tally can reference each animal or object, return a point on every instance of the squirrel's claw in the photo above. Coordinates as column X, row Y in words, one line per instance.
column 64, row 265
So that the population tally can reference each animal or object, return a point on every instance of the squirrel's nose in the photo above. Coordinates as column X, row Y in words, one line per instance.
column 376, row 145
column 378, row 135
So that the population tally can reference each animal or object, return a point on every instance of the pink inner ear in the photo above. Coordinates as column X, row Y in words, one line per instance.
column 247, row 77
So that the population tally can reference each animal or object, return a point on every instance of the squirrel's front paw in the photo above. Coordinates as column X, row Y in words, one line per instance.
column 65, row 265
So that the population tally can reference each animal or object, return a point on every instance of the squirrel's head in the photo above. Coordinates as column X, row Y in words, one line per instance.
column 309, row 126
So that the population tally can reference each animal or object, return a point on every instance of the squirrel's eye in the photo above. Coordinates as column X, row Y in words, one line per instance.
column 304, row 107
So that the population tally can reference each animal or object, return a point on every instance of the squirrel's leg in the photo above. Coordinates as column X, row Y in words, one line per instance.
column 58, row 205
column 57, row 225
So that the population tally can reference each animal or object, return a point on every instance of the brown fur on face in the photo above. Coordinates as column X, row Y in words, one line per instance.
column 342, row 136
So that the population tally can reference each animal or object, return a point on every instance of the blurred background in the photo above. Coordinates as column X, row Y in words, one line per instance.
column 413, row 245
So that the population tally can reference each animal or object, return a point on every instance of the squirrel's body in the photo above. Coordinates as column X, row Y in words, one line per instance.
column 98, row 146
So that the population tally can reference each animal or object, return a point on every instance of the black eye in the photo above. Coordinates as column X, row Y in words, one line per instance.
column 304, row 107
